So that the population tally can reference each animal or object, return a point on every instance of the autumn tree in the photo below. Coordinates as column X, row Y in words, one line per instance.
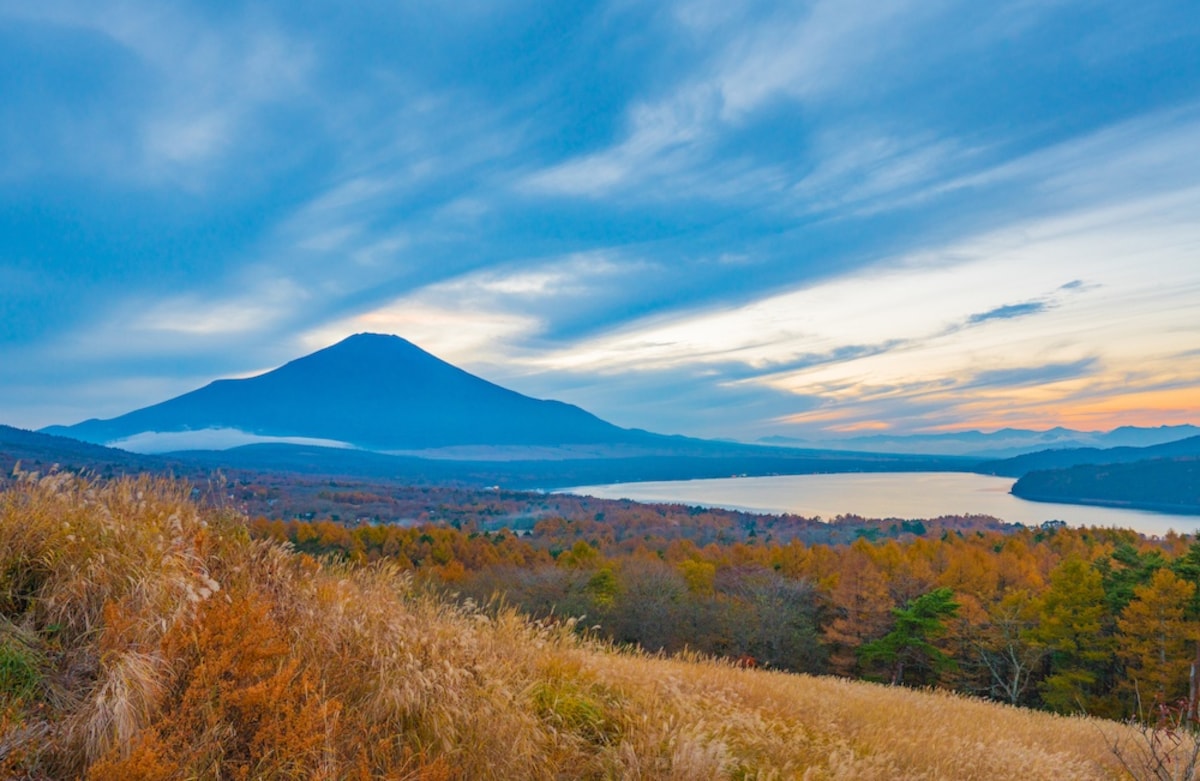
column 651, row 608
column 1006, row 649
column 1072, row 616
column 1157, row 639
column 770, row 618
column 862, row 608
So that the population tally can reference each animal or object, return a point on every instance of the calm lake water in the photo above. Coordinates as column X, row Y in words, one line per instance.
column 886, row 495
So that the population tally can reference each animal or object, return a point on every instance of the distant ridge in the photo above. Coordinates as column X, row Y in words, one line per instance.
column 1000, row 444
column 1162, row 484
column 38, row 452
column 1065, row 459
column 371, row 391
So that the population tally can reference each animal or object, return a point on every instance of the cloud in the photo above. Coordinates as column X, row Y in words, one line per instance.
column 1110, row 164
column 1034, row 375
column 950, row 339
column 810, row 52
column 816, row 69
column 210, row 439
column 672, row 142
column 1009, row 311
column 660, row 141
column 700, row 400
column 472, row 317
column 200, row 89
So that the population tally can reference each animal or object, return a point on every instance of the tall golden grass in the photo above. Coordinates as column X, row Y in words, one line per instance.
column 142, row 637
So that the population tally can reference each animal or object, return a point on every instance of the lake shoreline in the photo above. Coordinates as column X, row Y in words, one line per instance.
column 889, row 495
column 1150, row 507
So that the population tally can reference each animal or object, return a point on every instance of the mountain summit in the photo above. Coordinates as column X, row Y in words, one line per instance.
column 372, row 391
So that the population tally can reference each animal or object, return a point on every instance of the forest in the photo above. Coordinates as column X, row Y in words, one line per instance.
column 1072, row 620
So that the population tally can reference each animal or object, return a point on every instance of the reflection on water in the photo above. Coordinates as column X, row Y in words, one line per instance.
column 887, row 495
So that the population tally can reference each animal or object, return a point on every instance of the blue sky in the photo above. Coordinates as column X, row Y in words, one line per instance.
column 694, row 217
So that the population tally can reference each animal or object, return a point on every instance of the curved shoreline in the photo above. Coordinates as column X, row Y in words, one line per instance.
column 1153, row 507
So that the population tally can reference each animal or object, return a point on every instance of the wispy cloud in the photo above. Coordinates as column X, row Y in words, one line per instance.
column 481, row 314
column 949, row 338
column 202, row 93
column 1009, row 311
column 1024, row 376
column 792, row 54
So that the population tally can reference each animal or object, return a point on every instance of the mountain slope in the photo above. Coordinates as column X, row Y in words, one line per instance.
column 372, row 391
column 1163, row 484
column 1064, row 459
column 40, row 452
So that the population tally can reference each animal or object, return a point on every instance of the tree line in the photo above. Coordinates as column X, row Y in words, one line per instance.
column 1101, row 621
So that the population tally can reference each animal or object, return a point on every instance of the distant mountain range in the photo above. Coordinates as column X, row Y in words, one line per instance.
column 1000, row 444
column 1065, row 459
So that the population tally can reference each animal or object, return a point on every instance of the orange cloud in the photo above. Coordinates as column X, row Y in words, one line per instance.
column 864, row 425
column 1172, row 406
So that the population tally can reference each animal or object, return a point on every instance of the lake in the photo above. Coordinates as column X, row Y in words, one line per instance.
column 886, row 495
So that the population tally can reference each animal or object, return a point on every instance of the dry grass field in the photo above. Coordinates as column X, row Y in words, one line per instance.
column 142, row 637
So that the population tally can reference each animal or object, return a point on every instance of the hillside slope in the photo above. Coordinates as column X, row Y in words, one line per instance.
column 1064, row 459
column 41, row 452
column 145, row 638
column 1164, row 484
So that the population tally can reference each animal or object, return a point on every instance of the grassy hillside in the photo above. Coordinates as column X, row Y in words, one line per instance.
column 142, row 637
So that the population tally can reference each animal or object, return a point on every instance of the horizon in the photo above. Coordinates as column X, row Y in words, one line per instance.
column 829, row 439
column 815, row 221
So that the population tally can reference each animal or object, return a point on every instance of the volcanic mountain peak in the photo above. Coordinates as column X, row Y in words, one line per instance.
column 367, row 353
column 374, row 391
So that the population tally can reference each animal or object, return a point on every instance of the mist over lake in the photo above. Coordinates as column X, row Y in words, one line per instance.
column 887, row 495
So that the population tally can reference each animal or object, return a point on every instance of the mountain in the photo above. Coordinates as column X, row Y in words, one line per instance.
column 1003, row 443
column 1064, row 459
column 1164, row 484
column 37, row 452
column 381, row 407
column 368, row 391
